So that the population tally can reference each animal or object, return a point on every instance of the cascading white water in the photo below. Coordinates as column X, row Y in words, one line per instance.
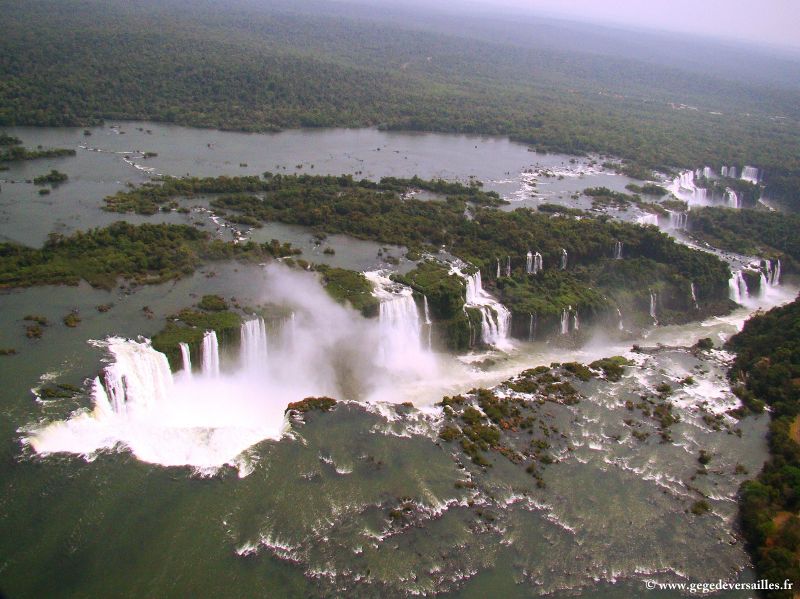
column 138, row 378
column 653, row 306
column 678, row 220
column 685, row 181
column 254, row 347
column 209, row 419
column 576, row 324
column 763, row 283
column 399, row 322
column 565, row 321
column 732, row 172
column 538, row 263
column 210, row 354
column 723, row 172
column 619, row 314
column 732, row 198
column 694, row 296
column 532, row 327
column 563, row 259
column 495, row 317
column 428, row 321
column 707, row 172
column 750, row 174
column 186, row 358
column 498, row 268
column 774, row 273
column 738, row 287
column 648, row 219
column 700, row 195
column 529, row 262
column 618, row 250
column 508, row 266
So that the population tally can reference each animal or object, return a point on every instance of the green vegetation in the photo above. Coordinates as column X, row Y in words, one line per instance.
column 281, row 192
column 259, row 69
column 650, row 189
column 321, row 404
column 189, row 326
column 72, row 320
column 767, row 234
column 144, row 254
column 17, row 153
column 767, row 369
column 613, row 368
column 347, row 286
column 52, row 178
column 212, row 303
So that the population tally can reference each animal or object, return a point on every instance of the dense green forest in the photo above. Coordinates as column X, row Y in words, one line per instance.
column 767, row 371
column 467, row 222
column 750, row 232
column 76, row 63
column 143, row 254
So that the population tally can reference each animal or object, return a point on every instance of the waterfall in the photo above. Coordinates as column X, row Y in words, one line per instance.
column 508, row 266
column 398, row 322
column 678, row 220
column 495, row 317
column 576, row 325
column 707, row 172
column 732, row 198
column 210, row 354
column 563, row 259
column 653, row 305
column 694, row 296
column 253, row 347
column 750, row 174
column 498, row 268
column 186, row 357
column 532, row 325
column 618, row 250
column 619, row 314
column 763, row 284
column 529, row 262
column 565, row 321
column 685, row 181
column 138, row 377
column 428, row 321
column 774, row 272
column 700, row 195
column 538, row 263
column 648, row 219
column 732, row 172
column 723, row 172
column 738, row 287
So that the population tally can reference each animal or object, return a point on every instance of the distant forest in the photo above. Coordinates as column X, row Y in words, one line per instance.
column 265, row 67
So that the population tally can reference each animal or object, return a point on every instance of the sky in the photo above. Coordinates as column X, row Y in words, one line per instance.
column 767, row 22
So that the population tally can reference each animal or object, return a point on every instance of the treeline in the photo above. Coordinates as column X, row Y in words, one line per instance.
column 143, row 254
column 767, row 371
column 750, row 232
column 77, row 63
column 148, row 198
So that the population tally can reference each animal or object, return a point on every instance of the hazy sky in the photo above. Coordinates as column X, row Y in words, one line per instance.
column 772, row 22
